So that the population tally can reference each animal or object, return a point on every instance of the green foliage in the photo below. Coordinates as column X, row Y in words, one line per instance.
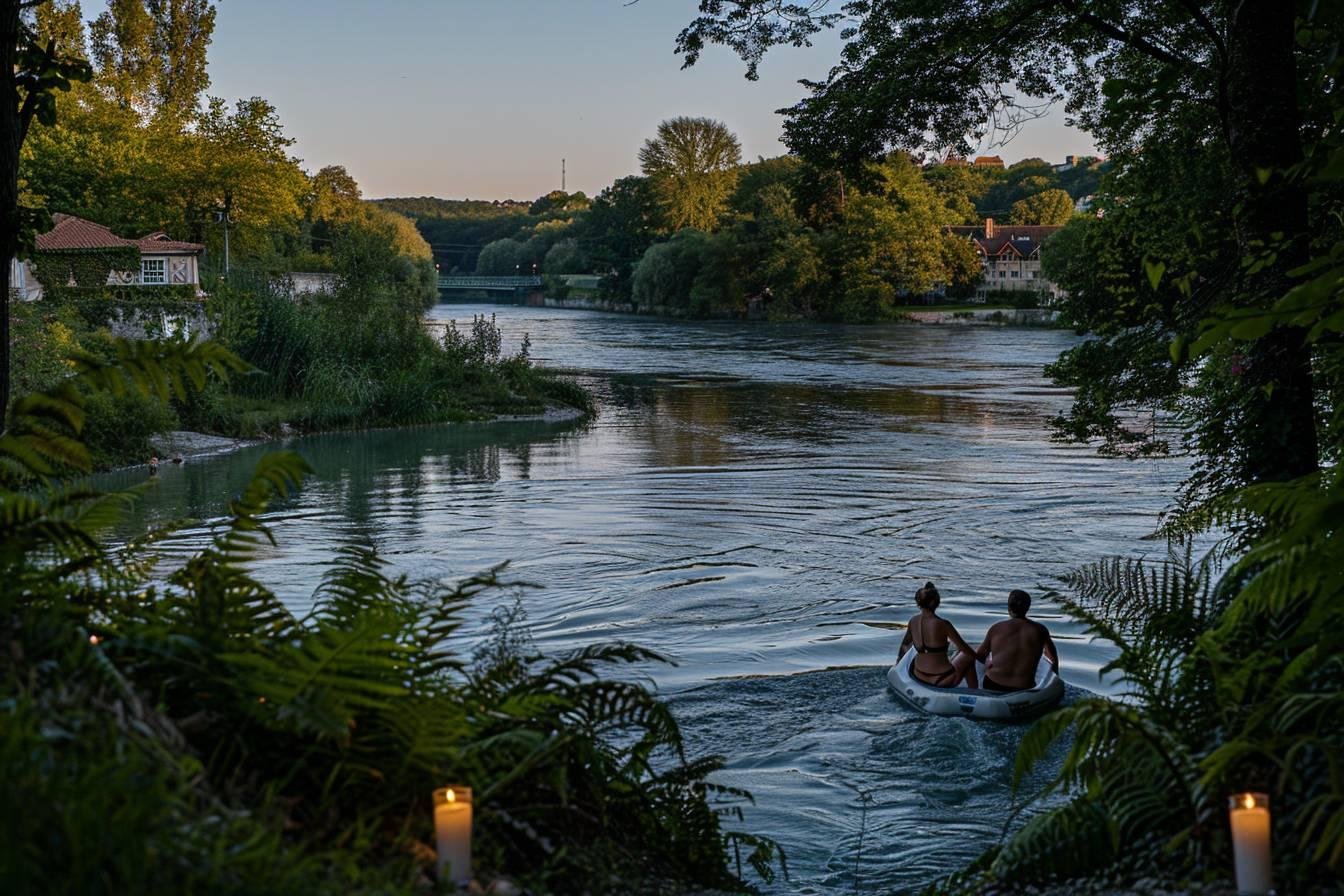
column 564, row 257
column 692, row 163
column 151, row 56
column 1231, row 686
column 84, row 268
column 667, row 273
column 359, row 357
column 98, row 307
column 502, row 257
column 1052, row 207
column 182, row 730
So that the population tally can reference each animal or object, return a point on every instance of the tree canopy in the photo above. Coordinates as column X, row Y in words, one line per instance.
column 1242, row 80
column 692, row 163
column 1051, row 207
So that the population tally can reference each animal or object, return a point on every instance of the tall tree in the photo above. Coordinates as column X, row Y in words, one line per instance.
column 31, row 72
column 692, row 163
column 911, row 76
column 151, row 55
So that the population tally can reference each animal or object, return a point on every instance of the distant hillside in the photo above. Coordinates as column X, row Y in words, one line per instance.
column 456, row 229
column 434, row 207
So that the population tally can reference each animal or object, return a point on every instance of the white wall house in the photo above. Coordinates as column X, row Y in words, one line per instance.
column 163, row 261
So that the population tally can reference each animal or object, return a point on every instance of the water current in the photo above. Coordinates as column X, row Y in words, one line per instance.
column 759, row 503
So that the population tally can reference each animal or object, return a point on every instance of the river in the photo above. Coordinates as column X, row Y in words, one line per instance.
column 758, row 502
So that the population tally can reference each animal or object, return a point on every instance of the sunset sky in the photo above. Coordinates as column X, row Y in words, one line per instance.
column 463, row 98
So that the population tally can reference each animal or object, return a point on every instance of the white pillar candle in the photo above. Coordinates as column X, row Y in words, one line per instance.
column 1250, row 842
column 452, row 833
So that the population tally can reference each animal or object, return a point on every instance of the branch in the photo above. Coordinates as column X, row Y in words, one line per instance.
column 1115, row 32
column 1207, row 26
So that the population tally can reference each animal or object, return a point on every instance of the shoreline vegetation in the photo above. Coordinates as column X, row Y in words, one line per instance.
column 706, row 235
column 933, row 315
column 185, row 445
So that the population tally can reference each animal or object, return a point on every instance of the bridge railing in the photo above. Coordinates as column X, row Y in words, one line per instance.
column 476, row 282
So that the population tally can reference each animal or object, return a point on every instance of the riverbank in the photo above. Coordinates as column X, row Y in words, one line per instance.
column 183, row 445
column 960, row 315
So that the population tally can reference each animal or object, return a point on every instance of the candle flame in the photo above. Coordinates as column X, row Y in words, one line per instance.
column 1247, row 801
column 452, row 797
column 93, row 639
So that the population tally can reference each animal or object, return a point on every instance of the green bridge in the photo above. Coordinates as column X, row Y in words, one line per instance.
column 491, row 284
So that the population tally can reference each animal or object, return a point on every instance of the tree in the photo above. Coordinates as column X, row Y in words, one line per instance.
column 667, row 273
column 502, row 257
column 692, row 163
column 238, row 161
column 1241, row 76
column 621, row 224
column 1051, row 207
column 333, row 194
column 557, row 202
column 32, row 71
column 564, row 257
column 151, row 55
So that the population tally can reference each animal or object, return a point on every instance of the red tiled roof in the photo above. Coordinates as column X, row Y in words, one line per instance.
column 76, row 233
column 993, row 161
column 72, row 234
column 159, row 242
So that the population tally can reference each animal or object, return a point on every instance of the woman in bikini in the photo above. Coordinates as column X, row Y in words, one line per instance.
column 929, row 634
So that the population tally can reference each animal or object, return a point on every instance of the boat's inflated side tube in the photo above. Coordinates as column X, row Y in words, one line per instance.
column 976, row 703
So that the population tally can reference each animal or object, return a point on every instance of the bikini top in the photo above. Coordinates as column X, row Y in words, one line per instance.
column 923, row 648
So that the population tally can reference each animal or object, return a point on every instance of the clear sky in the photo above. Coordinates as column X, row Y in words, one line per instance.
column 482, row 98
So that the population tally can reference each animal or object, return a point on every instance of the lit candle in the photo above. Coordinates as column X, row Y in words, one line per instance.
column 452, row 833
column 1250, row 842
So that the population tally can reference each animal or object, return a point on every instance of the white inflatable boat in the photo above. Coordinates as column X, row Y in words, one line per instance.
column 976, row 703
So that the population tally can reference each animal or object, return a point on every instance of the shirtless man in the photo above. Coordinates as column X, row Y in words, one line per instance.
column 1013, row 648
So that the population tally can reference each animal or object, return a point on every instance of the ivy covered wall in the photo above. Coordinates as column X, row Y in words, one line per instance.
column 87, row 268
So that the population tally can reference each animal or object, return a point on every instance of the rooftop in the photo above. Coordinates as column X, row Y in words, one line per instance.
column 71, row 233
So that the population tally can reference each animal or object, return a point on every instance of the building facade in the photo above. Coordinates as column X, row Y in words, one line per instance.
column 163, row 261
column 1011, row 259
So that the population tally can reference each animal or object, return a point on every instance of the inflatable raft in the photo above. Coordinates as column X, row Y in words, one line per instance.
column 976, row 703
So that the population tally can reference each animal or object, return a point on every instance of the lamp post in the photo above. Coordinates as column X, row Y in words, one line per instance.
column 222, row 217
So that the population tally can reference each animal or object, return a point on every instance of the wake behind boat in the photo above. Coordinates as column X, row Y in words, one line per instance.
column 976, row 703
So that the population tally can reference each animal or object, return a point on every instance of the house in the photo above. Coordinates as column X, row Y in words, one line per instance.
column 988, row 162
column 1011, row 257
column 162, row 261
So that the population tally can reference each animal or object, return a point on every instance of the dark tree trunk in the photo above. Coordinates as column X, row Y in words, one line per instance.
column 1263, row 130
column 11, row 138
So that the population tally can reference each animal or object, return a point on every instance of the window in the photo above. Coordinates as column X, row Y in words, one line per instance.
column 152, row 271
column 1015, row 273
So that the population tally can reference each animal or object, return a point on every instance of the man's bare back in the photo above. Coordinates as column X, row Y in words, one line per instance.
column 1012, row 648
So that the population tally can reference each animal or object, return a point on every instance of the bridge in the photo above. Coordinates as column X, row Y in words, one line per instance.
column 491, row 284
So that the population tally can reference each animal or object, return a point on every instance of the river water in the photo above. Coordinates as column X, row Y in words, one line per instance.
column 758, row 502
